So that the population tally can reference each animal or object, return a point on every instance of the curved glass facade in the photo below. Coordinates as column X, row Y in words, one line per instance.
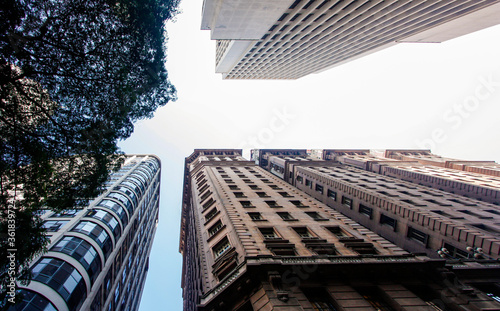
column 107, row 218
column 121, row 222
column 82, row 251
column 63, row 278
column 97, row 233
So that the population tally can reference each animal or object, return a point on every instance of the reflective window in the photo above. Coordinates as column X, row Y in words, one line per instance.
column 117, row 208
column 63, row 278
column 123, row 199
column 67, row 213
column 54, row 225
column 82, row 251
column 108, row 219
column 132, row 185
column 97, row 233
column 32, row 301
column 126, row 190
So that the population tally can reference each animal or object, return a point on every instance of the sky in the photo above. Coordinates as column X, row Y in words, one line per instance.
column 444, row 97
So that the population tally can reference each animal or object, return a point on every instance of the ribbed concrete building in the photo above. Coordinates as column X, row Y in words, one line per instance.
column 289, row 39
column 98, row 256
column 251, row 241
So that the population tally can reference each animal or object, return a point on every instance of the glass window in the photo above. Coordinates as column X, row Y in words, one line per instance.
column 97, row 233
column 221, row 247
column 117, row 208
column 54, row 225
column 63, row 278
column 82, row 251
column 32, row 301
column 108, row 219
column 123, row 199
column 67, row 213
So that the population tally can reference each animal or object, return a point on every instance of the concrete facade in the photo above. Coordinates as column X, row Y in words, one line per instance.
column 252, row 241
column 98, row 256
column 290, row 39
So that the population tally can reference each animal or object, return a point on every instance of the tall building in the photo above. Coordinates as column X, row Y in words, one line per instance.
column 288, row 39
column 98, row 256
column 252, row 241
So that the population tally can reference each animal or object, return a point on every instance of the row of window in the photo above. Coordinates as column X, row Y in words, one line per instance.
column 257, row 216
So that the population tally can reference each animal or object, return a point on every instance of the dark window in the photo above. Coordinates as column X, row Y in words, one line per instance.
column 221, row 247
column 54, row 225
column 286, row 216
column 82, row 251
column 63, row 278
column 211, row 214
column 297, row 203
column 117, row 208
column 315, row 216
column 319, row 299
column 269, row 233
column 386, row 220
column 239, row 195
column 308, row 183
column 255, row 216
column 272, row 204
column 332, row 194
column 107, row 218
column 215, row 228
column 347, row 202
column 97, row 233
column 262, row 194
column 365, row 210
column 67, row 213
column 319, row 188
column 303, row 232
column 246, row 204
column 32, row 301
column 417, row 235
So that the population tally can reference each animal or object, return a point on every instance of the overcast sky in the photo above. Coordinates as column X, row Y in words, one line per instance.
column 444, row 97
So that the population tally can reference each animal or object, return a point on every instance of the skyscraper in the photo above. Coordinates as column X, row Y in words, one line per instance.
column 98, row 256
column 251, row 241
column 288, row 39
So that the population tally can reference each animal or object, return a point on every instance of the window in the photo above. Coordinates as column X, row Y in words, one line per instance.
column 347, row 202
column 269, row 233
column 316, row 216
column 221, row 247
column 417, row 235
column 300, row 179
column 297, row 203
column 33, row 301
column 97, row 233
column 54, row 225
column 63, row 278
column 319, row 188
column 303, row 232
column 254, row 187
column 365, row 210
column 319, row 299
column 332, row 194
column 272, row 204
column 82, row 251
column 338, row 232
column 108, row 219
column 388, row 221
column 117, row 208
column 246, row 204
column 208, row 204
column 308, row 183
column 234, row 187
column 375, row 298
column 67, row 213
column 239, row 195
column 285, row 194
column 211, row 214
column 215, row 228
column 286, row 216
column 262, row 194
column 255, row 216
column 275, row 187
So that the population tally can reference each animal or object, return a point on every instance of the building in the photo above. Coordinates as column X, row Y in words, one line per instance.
column 289, row 39
column 98, row 256
column 252, row 241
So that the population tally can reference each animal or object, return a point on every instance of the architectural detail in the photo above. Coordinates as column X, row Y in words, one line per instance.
column 287, row 39
column 98, row 256
column 252, row 241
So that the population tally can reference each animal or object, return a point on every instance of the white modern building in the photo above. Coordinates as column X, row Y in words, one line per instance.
column 98, row 256
column 289, row 39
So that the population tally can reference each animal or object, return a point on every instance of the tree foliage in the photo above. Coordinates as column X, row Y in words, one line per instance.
column 74, row 77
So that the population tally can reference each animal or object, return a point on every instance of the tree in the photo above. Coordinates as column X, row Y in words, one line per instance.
column 74, row 77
